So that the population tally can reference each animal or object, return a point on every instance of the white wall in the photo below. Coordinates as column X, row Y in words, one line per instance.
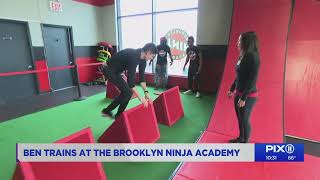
column 109, row 24
column 86, row 21
column 214, row 22
column 94, row 24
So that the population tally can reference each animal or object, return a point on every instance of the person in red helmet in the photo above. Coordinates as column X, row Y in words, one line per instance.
column 161, row 76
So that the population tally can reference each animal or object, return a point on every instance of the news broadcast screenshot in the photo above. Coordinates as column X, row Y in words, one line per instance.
column 159, row 90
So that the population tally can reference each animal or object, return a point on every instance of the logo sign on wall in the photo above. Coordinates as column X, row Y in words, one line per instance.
column 177, row 41
column 55, row 6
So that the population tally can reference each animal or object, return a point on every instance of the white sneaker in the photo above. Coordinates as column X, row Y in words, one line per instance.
column 197, row 95
column 187, row 92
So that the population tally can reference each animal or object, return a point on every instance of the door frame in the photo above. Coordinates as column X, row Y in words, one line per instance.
column 26, row 25
column 71, row 52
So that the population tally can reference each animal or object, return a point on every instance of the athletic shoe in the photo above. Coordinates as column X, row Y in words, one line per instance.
column 237, row 140
column 187, row 92
column 106, row 113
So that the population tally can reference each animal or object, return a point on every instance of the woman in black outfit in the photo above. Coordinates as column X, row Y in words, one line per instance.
column 244, row 86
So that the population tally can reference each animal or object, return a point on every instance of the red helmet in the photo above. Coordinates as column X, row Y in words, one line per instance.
column 105, row 44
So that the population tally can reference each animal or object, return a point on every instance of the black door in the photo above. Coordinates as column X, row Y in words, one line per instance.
column 57, row 44
column 15, row 55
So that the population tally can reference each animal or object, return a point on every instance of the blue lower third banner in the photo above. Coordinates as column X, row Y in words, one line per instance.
column 279, row 152
column 159, row 152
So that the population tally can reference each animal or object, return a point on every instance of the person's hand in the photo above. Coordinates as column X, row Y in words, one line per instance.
column 147, row 96
column 144, row 102
column 229, row 94
column 241, row 103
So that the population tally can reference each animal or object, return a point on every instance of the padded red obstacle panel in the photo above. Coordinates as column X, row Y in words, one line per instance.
column 87, row 73
column 168, row 107
column 270, row 20
column 136, row 125
column 302, row 85
column 63, row 170
column 112, row 91
column 43, row 77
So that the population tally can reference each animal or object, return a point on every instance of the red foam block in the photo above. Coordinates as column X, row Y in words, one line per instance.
column 136, row 125
column 63, row 170
column 168, row 107
column 112, row 91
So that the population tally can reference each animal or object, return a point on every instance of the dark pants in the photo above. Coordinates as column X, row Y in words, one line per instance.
column 193, row 75
column 125, row 92
column 243, row 115
column 161, row 76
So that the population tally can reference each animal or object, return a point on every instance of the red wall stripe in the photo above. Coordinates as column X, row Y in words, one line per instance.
column 99, row 3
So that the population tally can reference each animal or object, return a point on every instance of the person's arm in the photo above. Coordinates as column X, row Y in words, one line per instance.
column 130, row 81
column 252, row 66
column 141, row 99
column 187, row 60
column 170, row 55
column 233, row 86
column 142, row 68
column 200, row 62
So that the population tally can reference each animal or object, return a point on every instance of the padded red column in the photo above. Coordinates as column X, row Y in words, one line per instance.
column 136, row 125
column 168, row 107
column 63, row 170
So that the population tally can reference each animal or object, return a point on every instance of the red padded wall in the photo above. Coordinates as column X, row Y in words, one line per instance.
column 302, row 84
column 210, row 77
column 270, row 20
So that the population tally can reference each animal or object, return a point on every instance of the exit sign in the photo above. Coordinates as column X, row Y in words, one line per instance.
column 55, row 6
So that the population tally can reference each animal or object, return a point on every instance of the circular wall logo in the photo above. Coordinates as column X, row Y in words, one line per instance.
column 177, row 41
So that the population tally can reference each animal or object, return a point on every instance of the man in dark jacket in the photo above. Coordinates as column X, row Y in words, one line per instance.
column 128, row 60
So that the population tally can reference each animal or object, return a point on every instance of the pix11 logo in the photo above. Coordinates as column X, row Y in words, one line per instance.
column 177, row 41
column 289, row 148
column 279, row 152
